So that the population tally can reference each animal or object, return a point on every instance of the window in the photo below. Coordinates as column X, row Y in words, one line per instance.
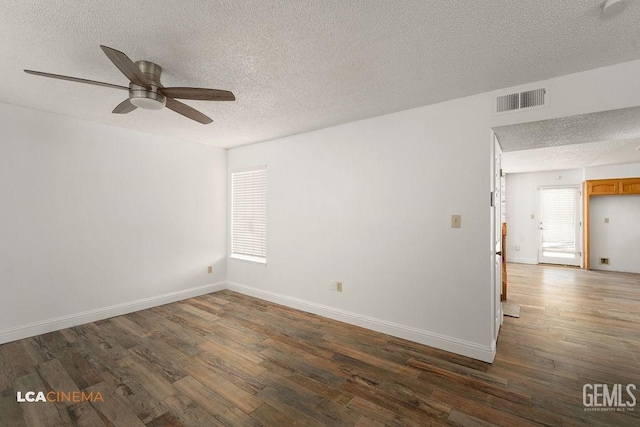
column 249, row 214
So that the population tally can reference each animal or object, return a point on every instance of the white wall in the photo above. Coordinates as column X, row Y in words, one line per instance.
column 100, row 220
column 631, row 170
column 601, row 89
column 618, row 240
column 97, row 220
column 523, row 202
column 369, row 203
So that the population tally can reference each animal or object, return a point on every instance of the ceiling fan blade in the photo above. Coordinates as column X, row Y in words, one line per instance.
column 198, row 94
column 124, row 107
column 187, row 111
column 126, row 66
column 74, row 79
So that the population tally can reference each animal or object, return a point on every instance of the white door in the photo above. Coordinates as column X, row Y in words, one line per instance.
column 560, row 226
column 497, row 235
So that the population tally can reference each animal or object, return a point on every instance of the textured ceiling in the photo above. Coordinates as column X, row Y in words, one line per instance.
column 299, row 65
column 607, row 137
column 610, row 125
column 574, row 156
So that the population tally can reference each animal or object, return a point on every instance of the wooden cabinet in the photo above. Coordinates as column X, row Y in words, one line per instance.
column 630, row 186
column 602, row 187
column 609, row 187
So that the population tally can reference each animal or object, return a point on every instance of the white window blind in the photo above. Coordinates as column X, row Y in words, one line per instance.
column 249, row 214
column 558, row 220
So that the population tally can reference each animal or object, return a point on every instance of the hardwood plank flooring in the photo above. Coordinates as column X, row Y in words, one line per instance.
column 229, row 359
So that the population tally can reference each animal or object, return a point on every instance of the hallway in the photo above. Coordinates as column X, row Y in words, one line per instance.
column 576, row 327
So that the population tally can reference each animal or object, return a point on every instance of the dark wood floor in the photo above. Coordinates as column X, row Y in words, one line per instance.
column 227, row 359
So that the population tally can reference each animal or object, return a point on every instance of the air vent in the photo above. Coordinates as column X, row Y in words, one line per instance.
column 508, row 103
column 521, row 100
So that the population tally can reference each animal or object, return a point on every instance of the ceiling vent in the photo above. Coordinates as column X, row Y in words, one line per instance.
column 526, row 100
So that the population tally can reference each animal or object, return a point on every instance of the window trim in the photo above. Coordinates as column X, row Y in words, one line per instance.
column 249, row 258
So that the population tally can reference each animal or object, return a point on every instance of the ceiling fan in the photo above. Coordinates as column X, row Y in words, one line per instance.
column 146, row 91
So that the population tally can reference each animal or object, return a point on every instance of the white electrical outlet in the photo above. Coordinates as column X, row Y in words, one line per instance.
column 456, row 221
column 333, row 285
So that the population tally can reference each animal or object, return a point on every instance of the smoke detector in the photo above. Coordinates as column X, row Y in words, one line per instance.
column 613, row 7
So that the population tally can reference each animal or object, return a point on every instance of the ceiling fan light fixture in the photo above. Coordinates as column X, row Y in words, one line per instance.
column 613, row 7
column 147, row 103
column 145, row 98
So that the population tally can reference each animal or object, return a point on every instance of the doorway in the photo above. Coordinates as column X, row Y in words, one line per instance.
column 560, row 226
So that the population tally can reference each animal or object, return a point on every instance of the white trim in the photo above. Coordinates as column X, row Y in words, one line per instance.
column 247, row 169
column 455, row 345
column 250, row 258
column 466, row 348
column 62, row 322
column 518, row 260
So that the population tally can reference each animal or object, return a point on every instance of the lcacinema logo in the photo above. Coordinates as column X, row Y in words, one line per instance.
column 59, row 396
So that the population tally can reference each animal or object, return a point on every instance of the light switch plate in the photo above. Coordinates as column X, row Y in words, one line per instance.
column 456, row 221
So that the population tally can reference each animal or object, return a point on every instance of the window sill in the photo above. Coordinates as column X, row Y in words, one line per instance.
column 249, row 258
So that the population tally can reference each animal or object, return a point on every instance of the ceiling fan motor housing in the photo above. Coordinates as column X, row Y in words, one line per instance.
column 142, row 97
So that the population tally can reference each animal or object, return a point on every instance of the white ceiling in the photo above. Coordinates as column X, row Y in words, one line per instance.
column 574, row 156
column 623, row 123
column 296, row 66
column 606, row 137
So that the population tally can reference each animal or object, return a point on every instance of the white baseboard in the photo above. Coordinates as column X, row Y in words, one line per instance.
column 50, row 325
column 455, row 345
column 522, row 260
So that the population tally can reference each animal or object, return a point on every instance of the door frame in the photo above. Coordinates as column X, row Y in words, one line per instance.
column 496, row 237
